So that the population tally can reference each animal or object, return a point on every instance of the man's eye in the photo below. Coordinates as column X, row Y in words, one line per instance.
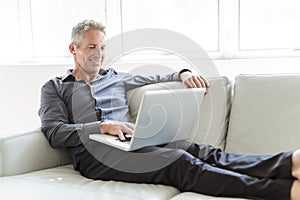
column 92, row 46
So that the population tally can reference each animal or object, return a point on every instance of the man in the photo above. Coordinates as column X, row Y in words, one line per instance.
column 90, row 100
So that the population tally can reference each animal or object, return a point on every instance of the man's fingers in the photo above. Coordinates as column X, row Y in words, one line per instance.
column 196, row 82
column 128, row 128
column 125, row 127
column 121, row 135
column 189, row 83
column 201, row 81
column 117, row 128
column 204, row 81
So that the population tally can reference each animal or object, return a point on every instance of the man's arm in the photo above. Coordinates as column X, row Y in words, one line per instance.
column 186, row 76
column 54, row 116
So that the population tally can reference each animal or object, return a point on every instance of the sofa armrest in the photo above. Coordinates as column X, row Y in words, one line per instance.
column 28, row 152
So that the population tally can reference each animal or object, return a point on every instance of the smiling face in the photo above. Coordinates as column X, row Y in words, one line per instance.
column 89, row 53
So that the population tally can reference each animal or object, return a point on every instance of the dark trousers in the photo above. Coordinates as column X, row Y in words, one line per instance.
column 192, row 167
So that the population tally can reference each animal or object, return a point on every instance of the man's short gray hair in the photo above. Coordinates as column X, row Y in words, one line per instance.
column 84, row 26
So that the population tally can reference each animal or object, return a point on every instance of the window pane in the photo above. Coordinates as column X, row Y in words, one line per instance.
column 10, row 30
column 52, row 21
column 269, row 24
column 196, row 19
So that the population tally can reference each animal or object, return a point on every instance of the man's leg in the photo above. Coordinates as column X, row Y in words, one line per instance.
column 261, row 166
column 185, row 172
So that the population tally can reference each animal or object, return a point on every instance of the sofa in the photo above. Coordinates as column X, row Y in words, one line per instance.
column 253, row 114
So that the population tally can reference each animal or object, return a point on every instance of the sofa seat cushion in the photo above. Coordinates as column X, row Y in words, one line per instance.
column 65, row 183
column 195, row 196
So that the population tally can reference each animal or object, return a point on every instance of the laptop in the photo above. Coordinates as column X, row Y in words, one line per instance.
column 164, row 116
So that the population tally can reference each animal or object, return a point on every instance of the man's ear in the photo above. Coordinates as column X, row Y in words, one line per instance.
column 72, row 48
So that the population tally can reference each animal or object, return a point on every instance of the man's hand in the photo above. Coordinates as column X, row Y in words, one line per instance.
column 190, row 80
column 117, row 128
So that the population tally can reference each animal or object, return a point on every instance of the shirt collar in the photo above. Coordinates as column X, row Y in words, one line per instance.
column 68, row 77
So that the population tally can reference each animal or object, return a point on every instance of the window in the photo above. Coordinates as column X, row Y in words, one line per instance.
column 52, row 21
column 39, row 31
column 269, row 24
column 10, row 30
column 196, row 19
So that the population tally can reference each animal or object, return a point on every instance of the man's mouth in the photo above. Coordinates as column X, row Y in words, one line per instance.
column 95, row 61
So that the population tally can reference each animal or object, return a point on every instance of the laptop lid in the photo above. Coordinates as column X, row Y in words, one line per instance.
column 166, row 116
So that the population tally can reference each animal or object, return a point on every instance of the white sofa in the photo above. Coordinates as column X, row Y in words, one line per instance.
column 260, row 115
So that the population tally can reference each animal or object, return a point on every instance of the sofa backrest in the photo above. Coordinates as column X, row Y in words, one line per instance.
column 213, row 119
column 265, row 114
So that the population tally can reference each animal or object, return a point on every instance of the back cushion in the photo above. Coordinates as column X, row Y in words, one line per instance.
column 265, row 114
column 213, row 119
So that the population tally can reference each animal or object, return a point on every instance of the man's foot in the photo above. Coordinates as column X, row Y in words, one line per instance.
column 296, row 164
column 295, row 190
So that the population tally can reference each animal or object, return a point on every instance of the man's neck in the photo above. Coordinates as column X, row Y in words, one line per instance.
column 81, row 75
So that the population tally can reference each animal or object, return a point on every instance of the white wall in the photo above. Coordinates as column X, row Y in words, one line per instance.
column 20, row 95
column 21, row 84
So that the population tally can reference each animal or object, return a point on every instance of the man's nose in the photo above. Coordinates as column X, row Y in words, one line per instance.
column 98, row 51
